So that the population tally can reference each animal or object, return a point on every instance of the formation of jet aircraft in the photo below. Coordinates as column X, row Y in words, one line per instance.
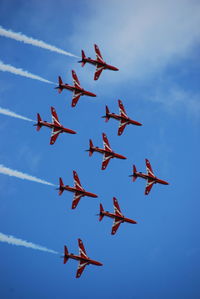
column 77, row 90
column 77, row 190
column 98, row 62
column 106, row 151
column 117, row 215
column 83, row 259
column 124, row 120
column 56, row 127
column 149, row 176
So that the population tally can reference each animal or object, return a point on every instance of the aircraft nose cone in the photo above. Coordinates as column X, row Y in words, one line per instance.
column 124, row 158
column 99, row 264
column 93, row 95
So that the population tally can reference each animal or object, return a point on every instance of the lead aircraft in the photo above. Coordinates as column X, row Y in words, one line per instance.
column 99, row 62
column 118, row 216
column 76, row 89
column 77, row 190
column 83, row 259
column 106, row 151
column 56, row 127
column 122, row 117
column 149, row 176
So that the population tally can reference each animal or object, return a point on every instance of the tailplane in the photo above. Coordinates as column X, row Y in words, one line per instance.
column 101, row 215
column 83, row 58
column 134, row 173
column 65, row 255
column 107, row 114
column 61, row 189
column 60, row 83
column 91, row 148
column 39, row 119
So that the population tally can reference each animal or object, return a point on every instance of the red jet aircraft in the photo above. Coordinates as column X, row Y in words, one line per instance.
column 122, row 117
column 150, row 177
column 118, row 217
column 83, row 259
column 56, row 127
column 99, row 62
column 106, row 151
column 76, row 89
column 77, row 190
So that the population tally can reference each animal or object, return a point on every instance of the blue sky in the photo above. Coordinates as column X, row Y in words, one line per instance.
column 156, row 47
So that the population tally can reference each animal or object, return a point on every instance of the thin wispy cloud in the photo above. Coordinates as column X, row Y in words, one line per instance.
column 21, row 72
column 34, row 42
column 21, row 175
column 19, row 242
column 13, row 114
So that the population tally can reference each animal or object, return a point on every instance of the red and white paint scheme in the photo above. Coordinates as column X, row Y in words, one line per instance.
column 98, row 62
column 106, row 151
column 149, row 176
column 83, row 259
column 56, row 127
column 77, row 190
column 117, row 215
column 122, row 117
column 76, row 89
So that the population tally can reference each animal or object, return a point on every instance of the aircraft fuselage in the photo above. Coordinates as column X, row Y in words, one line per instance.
column 122, row 218
column 147, row 177
column 100, row 64
column 103, row 151
column 73, row 88
column 51, row 125
column 82, row 192
column 79, row 258
column 125, row 119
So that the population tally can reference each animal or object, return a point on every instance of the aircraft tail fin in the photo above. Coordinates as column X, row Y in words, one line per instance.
column 134, row 173
column 61, row 185
column 39, row 119
column 91, row 148
column 65, row 255
column 83, row 58
column 101, row 215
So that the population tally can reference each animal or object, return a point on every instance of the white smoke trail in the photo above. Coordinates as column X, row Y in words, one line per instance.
column 18, row 242
column 13, row 114
column 21, row 175
column 34, row 42
column 16, row 71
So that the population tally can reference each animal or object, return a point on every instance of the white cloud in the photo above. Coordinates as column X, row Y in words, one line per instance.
column 140, row 37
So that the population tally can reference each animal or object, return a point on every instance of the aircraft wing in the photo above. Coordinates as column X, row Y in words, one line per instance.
column 81, row 267
column 115, row 226
column 106, row 159
column 76, row 199
column 149, row 169
column 98, row 72
column 55, row 119
column 98, row 54
column 76, row 96
column 82, row 250
column 106, row 143
column 77, row 183
column 116, row 207
column 75, row 80
column 122, row 125
column 149, row 185
column 54, row 135
column 121, row 109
